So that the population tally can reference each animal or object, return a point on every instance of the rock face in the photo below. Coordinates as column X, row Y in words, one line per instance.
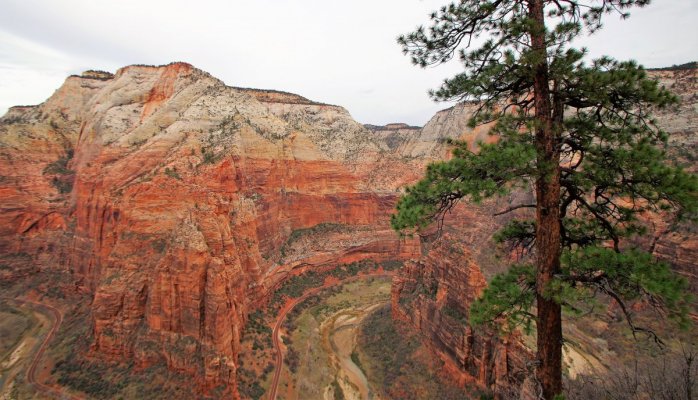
column 394, row 135
column 180, row 203
column 434, row 294
column 679, row 245
column 170, row 197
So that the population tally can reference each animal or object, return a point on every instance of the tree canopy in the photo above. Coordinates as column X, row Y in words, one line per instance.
column 580, row 133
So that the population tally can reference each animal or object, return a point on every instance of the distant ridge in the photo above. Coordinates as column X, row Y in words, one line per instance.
column 688, row 65
column 95, row 74
column 278, row 96
column 263, row 95
column 390, row 127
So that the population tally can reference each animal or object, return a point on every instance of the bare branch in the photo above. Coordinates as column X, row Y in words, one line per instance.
column 510, row 209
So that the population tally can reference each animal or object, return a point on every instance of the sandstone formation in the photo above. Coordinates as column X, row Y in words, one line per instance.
column 434, row 294
column 679, row 244
column 179, row 203
column 169, row 196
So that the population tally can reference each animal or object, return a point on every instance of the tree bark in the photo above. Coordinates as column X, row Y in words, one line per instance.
column 549, row 318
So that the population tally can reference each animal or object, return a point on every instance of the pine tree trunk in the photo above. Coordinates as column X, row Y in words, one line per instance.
column 549, row 318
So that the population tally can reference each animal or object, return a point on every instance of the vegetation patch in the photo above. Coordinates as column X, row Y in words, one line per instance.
column 355, row 359
column 63, row 177
column 13, row 324
column 60, row 166
column 123, row 381
column 297, row 285
column 172, row 173
column 209, row 157
column 325, row 227
column 670, row 376
column 392, row 265
column 337, row 391
column 248, row 384
column 159, row 245
column 255, row 360
column 319, row 229
column 680, row 67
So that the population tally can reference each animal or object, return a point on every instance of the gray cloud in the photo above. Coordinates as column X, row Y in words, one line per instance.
column 325, row 50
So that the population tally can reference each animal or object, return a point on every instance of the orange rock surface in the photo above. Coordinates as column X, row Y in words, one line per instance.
column 168, row 196
column 180, row 203
column 434, row 295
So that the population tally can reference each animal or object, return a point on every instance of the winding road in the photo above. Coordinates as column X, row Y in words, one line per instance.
column 276, row 339
column 31, row 372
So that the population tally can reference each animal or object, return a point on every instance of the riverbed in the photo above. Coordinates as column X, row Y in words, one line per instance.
column 324, row 339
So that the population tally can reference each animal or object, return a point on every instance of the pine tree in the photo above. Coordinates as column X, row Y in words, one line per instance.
column 581, row 135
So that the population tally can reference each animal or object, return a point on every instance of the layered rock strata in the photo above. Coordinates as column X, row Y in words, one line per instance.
column 180, row 203
column 173, row 199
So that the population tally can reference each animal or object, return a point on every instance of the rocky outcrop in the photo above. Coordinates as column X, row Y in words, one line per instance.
column 170, row 197
column 434, row 295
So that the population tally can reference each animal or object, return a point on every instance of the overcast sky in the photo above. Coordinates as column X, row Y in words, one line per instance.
column 339, row 52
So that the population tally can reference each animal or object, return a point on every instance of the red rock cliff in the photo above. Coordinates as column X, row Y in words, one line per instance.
column 169, row 196
column 172, row 199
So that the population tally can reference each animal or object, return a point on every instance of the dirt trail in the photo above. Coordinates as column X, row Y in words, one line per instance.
column 56, row 317
column 276, row 340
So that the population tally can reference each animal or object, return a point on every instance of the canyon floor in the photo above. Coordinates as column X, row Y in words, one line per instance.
column 337, row 340
column 341, row 343
column 21, row 330
column 321, row 338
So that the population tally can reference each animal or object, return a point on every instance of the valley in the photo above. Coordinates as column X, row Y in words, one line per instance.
column 27, row 328
column 340, row 342
column 320, row 338
column 20, row 333
column 201, row 241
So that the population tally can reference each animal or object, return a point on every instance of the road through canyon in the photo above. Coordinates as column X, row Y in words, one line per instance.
column 54, row 315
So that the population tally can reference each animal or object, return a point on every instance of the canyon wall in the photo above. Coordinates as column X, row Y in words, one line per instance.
column 179, row 203
column 434, row 295
column 173, row 198
column 678, row 244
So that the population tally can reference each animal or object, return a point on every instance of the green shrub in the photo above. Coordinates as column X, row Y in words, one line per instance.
column 292, row 359
column 173, row 173
column 63, row 185
column 159, row 245
column 209, row 156
column 338, row 392
column 392, row 265
column 62, row 176
column 60, row 166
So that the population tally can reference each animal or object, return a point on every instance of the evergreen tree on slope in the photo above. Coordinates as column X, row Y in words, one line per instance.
column 581, row 134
